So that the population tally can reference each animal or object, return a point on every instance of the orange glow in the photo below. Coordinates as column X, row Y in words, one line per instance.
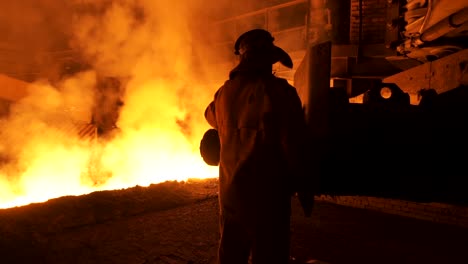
column 43, row 159
column 52, row 162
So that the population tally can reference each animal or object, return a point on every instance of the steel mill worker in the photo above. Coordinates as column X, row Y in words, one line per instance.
column 261, row 128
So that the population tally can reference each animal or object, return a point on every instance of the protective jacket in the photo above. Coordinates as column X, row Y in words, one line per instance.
column 261, row 126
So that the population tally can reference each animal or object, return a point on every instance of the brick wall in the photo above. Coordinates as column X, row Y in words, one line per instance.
column 374, row 14
column 434, row 212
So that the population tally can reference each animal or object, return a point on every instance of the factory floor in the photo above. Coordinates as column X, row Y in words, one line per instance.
column 188, row 234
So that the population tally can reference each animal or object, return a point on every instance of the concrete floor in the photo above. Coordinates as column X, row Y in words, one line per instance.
column 188, row 233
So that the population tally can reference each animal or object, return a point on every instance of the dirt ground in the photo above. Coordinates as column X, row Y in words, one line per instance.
column 172, row 223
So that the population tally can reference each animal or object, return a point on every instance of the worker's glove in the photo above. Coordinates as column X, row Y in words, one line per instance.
column 306, row 198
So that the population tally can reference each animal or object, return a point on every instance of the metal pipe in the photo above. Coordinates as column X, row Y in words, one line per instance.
column 316, row 24
column 359, row 49
column 445, row 26
column 426, row 17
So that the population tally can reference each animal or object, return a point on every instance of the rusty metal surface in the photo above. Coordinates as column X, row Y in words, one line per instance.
column 301, row 80
column 446, row 73
column 312, row 80
column 442, row 75
column 412, row 80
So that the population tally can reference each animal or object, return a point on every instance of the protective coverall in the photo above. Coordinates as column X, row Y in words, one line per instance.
column 261, row 126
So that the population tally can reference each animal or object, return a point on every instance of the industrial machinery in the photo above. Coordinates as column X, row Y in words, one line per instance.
column 405, row 137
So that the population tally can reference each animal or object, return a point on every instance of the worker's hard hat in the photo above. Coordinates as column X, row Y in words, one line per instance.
column 261, row 40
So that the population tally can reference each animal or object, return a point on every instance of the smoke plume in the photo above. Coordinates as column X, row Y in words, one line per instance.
column 164, row 85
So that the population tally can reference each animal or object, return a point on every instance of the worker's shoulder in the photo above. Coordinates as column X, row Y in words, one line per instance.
column 284, row 84
column 228, row 83
column 245, row 80
column 226, row 88
column 282, row 81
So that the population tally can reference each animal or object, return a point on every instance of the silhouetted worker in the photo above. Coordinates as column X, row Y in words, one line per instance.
column 262, row 128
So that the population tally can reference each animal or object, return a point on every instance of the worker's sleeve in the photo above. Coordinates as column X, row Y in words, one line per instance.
column 210, row 115
column 210, row 112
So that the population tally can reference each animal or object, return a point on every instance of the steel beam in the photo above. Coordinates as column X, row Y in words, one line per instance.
column 442, row 75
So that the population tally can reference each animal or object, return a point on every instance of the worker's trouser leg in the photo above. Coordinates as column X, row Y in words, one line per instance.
column 271, row 240
column 267, row 240
column 234, row 245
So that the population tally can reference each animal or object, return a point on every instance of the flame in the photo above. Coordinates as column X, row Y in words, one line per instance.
column 160, row 124
column 50, row 162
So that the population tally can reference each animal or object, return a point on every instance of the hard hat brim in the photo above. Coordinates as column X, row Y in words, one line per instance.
column 282, row 56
